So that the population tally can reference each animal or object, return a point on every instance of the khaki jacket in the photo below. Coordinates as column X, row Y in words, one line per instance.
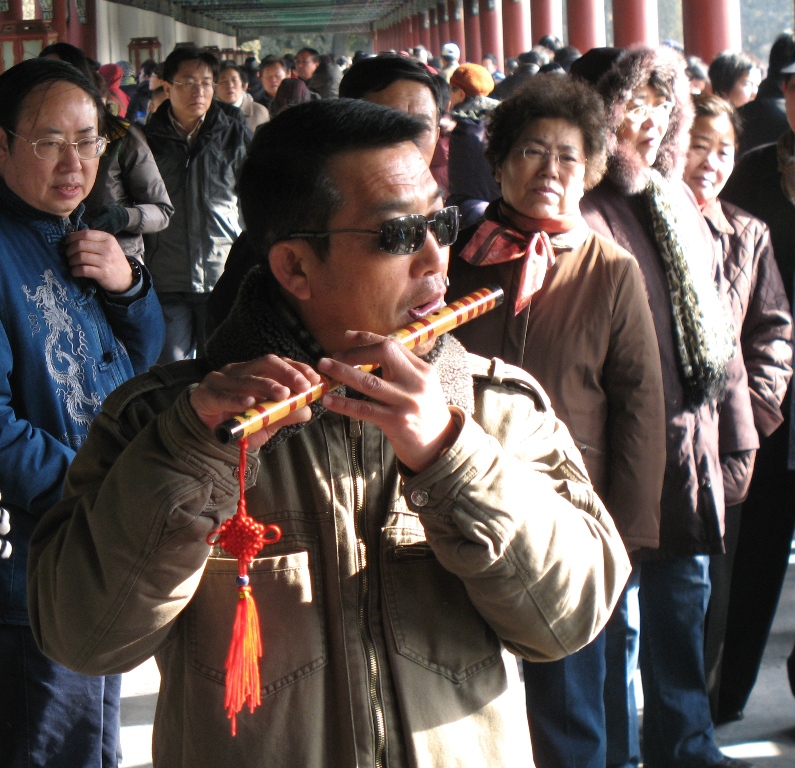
column 386, row 607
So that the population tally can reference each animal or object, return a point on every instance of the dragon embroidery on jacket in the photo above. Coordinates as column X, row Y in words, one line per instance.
column 65, row 349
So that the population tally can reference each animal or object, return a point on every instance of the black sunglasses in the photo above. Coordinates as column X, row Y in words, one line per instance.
column 405, row 234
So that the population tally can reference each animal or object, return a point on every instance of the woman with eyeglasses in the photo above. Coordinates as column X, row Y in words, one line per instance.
column 644, row 205
column 77, row 319
column 575, row 317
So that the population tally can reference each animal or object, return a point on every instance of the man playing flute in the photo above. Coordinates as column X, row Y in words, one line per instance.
column 435, row 517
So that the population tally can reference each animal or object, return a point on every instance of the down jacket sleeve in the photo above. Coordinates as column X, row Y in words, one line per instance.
column 508, row 510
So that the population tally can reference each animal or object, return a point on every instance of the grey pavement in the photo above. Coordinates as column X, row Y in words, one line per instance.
column 765, row 736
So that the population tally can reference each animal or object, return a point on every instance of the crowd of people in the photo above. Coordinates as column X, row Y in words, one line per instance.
column 481, row 542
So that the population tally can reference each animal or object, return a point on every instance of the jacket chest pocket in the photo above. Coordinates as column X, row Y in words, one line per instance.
column 432, row 620
column 287, row 591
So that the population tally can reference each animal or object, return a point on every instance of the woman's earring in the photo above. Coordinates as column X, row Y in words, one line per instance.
column 446, row 282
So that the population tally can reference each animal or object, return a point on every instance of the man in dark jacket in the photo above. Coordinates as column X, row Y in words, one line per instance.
column 763, row 183
column 764, row 118
column 199, row 150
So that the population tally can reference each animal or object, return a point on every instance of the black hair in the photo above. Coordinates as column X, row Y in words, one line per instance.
column 710, row 105
column 270, row 61
column 285, row 186
column 491, row 57
column 727, row 68
column 379, row 72
column 551, row 96
column 696, row 68
column 72, row 55
column 782, row 53
column 18, row 82
column 566, row 56
column 552, row 42
column 312, row 52
column 184, row 53
column 229, row 64
column 148, row 67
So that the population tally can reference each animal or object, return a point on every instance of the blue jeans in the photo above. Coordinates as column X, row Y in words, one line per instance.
column 582, row 708
column 51, row 717
column 677, row 724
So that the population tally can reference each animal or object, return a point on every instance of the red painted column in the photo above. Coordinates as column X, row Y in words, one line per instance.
column 59, row 20
column 635, row 22
column 443, row 16
column 15, row 12
column 457, row 33
column 516, row 27
column 546, row 18
column 472, row 30
column 425, row 29
column 711, row 26
column 435, row 44
column 491, row 29
column 586, row 21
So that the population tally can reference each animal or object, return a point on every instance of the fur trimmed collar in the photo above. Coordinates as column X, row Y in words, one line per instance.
column 633, row 69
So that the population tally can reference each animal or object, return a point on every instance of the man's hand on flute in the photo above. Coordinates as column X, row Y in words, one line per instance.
column 238, row 386
column 406, row 401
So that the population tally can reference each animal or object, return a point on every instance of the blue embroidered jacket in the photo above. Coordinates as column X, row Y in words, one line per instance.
column 65, row 345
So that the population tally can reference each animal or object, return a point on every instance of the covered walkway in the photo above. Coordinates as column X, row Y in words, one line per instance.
column 110, row 30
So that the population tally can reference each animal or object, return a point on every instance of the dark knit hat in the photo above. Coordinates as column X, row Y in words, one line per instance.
column 473, row 80
column 594, row 63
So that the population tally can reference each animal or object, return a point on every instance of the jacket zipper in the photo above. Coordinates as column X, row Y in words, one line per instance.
column 360, row 529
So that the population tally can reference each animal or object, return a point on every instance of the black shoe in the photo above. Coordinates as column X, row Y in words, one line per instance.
column 732, row 762
column 729, row 717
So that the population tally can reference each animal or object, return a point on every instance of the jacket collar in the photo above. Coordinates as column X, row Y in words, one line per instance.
column 52, row 227
column 718, row 223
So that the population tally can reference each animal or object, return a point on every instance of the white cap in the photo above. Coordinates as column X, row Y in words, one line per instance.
column 451, row 51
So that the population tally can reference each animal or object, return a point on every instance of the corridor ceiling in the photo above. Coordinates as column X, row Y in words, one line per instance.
column 248, row 19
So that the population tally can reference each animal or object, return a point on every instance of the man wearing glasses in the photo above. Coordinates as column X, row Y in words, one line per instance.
column 430, row 519
column 199, row 151
column 77, row 318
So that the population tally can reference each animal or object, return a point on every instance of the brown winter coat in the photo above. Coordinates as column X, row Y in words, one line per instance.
column 588, row 337
column 760, row 308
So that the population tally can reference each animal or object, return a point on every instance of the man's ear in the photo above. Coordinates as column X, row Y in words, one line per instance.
column 289, row 261
column 498, row 174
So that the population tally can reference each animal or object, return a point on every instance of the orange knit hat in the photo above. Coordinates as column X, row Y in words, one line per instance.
column 473, row 80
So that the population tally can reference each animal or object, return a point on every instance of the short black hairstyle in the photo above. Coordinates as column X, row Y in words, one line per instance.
column 727, row 68
column 491, row 57
column 312, row 52
column 148, row 67
column 696, row 68
column 551, row 96
column 553, row 42
column 782, row 54
column 270, row 61
column 566, row 56
column 184, row 53
column 18, row 82
column 229, row 64
column 285, row 186
column 379, row 72
column 71, row 54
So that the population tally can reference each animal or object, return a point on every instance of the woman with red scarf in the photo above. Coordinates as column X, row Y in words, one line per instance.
column 577, row 318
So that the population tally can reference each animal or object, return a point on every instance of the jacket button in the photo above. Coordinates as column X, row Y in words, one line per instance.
column 236, row 473
column 419, row 498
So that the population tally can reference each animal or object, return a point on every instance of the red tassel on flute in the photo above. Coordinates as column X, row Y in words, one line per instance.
column 243, row 537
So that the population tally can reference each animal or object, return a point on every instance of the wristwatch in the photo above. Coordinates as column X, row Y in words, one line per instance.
column 137, row 274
